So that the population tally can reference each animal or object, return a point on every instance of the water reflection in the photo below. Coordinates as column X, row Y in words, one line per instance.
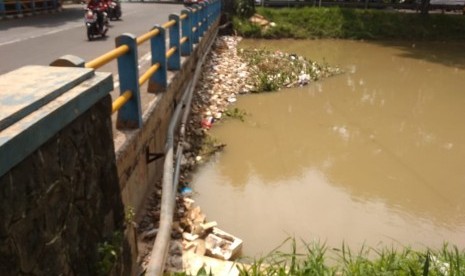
column 373, row 155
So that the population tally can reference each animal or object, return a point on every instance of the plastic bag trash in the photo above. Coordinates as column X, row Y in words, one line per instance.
column 207, row 122
column 304, row 78
column 186, row 191
column 232, row 99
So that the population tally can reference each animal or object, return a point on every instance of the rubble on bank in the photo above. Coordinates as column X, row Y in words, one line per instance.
column 225, row 74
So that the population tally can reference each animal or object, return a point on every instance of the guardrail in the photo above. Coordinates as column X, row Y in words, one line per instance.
column 22, row 7
column 184, row 30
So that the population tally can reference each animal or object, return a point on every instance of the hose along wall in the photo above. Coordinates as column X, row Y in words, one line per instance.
column 170, row 176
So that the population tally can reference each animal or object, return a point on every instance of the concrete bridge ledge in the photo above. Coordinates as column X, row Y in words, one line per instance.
column 35, row 107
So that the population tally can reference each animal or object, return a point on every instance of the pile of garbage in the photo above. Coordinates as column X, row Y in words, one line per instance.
column 226, row 73
column 273, row 70
column 205, row 238
column 224, row 76
column 260, row 20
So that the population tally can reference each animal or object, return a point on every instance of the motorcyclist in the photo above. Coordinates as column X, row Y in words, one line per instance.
column 113, row 9
column 107, row 4
column 99, row 7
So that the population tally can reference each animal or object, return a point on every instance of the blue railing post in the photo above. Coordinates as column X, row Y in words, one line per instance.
column 218, row 9
column 203, row 26
column 214, row 4
column 2, row 8
column 210, row 7
column 174, row 61
column 158, row 81
column 214, row 8
column 195, row 24
column 199, row 20
column 207, row 13
column 130, row 114
column 33, row 6
column 186, row 26
column 18, row 7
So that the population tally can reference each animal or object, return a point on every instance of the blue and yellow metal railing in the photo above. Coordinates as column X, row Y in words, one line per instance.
column 184, row 30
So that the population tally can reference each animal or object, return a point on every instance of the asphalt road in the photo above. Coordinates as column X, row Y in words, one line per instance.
column 40, row 39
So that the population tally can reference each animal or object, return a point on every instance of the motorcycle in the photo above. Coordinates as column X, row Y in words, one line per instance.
column 114, row 10
column 92, row 23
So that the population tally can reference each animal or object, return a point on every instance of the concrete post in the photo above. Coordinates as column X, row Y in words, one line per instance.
column 158, row 81
column 130, row 114
column 195, row 24
column 174, row 61
column 186, row 26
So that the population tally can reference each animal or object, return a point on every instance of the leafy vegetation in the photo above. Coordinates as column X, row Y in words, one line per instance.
column 312, row 22
column 236, row 113
column 109, row 252
column 244, row 8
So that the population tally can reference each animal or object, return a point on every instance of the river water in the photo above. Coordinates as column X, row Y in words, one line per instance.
column 371, row 157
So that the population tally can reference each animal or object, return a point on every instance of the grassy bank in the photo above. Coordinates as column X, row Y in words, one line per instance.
column 310, row 22
column 448, row 260
column 319, row 260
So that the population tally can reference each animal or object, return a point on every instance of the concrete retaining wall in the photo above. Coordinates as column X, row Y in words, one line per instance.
column 59, row 195
column 137, row 176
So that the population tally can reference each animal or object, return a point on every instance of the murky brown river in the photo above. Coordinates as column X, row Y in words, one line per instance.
column 374, row 156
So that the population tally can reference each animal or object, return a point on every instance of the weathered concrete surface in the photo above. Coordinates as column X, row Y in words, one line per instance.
column 21, row 97
column 137, row 176
column 59, row 205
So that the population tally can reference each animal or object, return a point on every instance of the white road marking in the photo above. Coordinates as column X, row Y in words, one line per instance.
column 43, row 34
column 65, row 28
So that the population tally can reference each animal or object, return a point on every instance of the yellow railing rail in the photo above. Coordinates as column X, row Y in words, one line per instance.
column 170, row 52
column 146, row 76
column 168, row 24
column 125, row 49
column 141, row 39
column 105, row 58
column 120, row 101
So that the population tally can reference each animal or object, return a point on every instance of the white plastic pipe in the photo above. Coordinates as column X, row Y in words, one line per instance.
column 160, row 248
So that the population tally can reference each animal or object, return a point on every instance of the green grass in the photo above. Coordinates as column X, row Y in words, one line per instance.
column 311, row 22
column 317, row 259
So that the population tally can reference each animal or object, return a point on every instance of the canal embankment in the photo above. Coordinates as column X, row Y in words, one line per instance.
column 226, row 74
column 344, row 23
column 439, row 260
